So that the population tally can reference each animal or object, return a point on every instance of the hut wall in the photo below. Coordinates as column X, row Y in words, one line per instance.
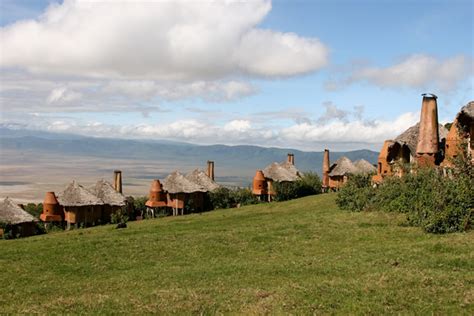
column 27, row 229
column 176, row 200
column 87, row 214
column 107, row 211
column 336, row 182
column 198, row 201
column 270, row 189
column 21, row 230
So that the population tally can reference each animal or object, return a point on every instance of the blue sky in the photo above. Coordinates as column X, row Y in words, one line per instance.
column 303, row 74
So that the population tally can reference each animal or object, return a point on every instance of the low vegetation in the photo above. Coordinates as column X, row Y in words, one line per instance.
column 34, row 209
column 227, row 198
column 436, row 202
column 309, row 184
column 303, row 256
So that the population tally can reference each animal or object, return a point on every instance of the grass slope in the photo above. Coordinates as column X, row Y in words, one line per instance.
column 302, row 256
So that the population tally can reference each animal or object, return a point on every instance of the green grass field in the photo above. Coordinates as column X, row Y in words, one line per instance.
column 303, row 256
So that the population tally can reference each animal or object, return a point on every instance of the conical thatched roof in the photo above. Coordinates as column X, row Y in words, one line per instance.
column 76, row 195
column 342, row 166
column 363, row 166
column 410, row 136
column 466, row 115
column 202, row 179
column 106, row 192
column 282, row 172
column 177, row 183
column 10, row 213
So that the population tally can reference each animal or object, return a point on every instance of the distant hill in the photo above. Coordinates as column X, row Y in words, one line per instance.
column 233, row 157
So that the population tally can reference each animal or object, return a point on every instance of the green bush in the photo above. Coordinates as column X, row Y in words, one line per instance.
column 357, row 194
column 34, row 209
column 223, row 198
column 244, row 196
column 139, row 206
column 120, row 216
column 431, row 200
column 309, row 184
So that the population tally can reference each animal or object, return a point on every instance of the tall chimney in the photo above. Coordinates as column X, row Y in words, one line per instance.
column 52, row 211
column 118, row 181
column 210, row 169
column 326, row 169
column 157, row 197
column 259, row 184
column 428, row 138
column 291, row 158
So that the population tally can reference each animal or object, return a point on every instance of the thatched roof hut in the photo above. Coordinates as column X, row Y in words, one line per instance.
column 410, row 137
column 364, row 167
column 12, row 214
column 466, row 115
column 76, row 195
column 106, row 192
column 202, row 179
column 282, row 172
column 178, row 183
column 343, row 166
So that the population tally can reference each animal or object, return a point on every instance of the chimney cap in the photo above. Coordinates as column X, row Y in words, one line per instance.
column 429, row 95
column 117, row 171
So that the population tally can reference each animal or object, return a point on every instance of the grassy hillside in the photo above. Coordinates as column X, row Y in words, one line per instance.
column 302, row 256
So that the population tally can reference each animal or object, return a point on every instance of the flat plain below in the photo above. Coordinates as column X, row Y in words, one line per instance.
column 303, row 256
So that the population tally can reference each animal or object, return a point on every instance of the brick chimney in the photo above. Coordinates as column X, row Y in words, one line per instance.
column 453, row 141
column 259, row 185
column 210, row 169
column 157, row 196
column 428, row 138
column 291, row 158
column 52, row 211
column 118, row 181
column 326, row 166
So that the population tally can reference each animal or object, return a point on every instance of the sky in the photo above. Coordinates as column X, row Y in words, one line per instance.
column 309, row 75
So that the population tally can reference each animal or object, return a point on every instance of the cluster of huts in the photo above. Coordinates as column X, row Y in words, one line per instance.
column 180, row 189
column 262, row 184
column 428, row 143
column 337, row 174
column 75, row 206
column 334, row 175
column 78, row 206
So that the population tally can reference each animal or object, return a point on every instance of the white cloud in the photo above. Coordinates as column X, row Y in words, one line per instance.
column 356, row 131
column 159, row 40
column 268, row 53
column 415, row 71
column 334, row 134
column 60, row 95
column 207, row 90
column 239, row 126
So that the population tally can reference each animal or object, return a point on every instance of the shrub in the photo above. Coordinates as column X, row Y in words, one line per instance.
column 139, row 206
column 309, row 184
column 34, row 209
column 285, row 191
column 223, row 198
column 357, row 194
column 244, row 196
column 119, row 217
column 437, row 203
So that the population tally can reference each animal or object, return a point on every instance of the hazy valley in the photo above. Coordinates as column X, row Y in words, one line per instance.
column 35, row 162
